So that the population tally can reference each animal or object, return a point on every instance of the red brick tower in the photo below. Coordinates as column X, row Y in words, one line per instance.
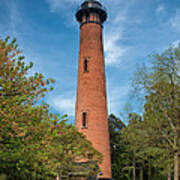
column 91, row 105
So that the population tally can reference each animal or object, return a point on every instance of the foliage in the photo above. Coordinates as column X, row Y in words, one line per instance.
column 117, row 146
column 162, row 115
column 34, row 143
column 151, row 142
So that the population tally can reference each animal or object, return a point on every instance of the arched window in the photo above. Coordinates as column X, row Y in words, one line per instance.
column 84, row 119
column 85, row 65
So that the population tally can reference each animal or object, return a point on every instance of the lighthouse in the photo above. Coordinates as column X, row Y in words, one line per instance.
column 91, row 116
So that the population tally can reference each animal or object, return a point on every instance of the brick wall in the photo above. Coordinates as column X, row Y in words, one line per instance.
column 91, row 93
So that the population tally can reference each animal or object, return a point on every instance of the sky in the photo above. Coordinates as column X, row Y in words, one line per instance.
column 48, row 34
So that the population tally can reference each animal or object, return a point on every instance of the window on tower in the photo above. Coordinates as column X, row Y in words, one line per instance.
column 84, row 120
column 85, row 65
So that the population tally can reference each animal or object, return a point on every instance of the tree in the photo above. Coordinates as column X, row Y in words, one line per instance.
column 133, row 136
column 117, row 146
column 34, row 143
column 121, row 153
column 161, row 84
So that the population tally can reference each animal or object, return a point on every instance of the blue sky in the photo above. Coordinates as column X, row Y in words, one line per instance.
column 48, row 34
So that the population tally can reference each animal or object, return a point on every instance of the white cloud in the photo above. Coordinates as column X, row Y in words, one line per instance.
column 175, row 21
column 64, row 104
column 160, row 9
column 114, row 51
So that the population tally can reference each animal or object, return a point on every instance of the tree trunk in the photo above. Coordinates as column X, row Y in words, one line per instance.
column 176, row 165
column 134, row 170
column 149, row 172
column 169, row 172
column 141, row 173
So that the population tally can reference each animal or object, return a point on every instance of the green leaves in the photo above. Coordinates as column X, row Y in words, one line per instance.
column 151, row 142
column 161, row 115
column 34, row 142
